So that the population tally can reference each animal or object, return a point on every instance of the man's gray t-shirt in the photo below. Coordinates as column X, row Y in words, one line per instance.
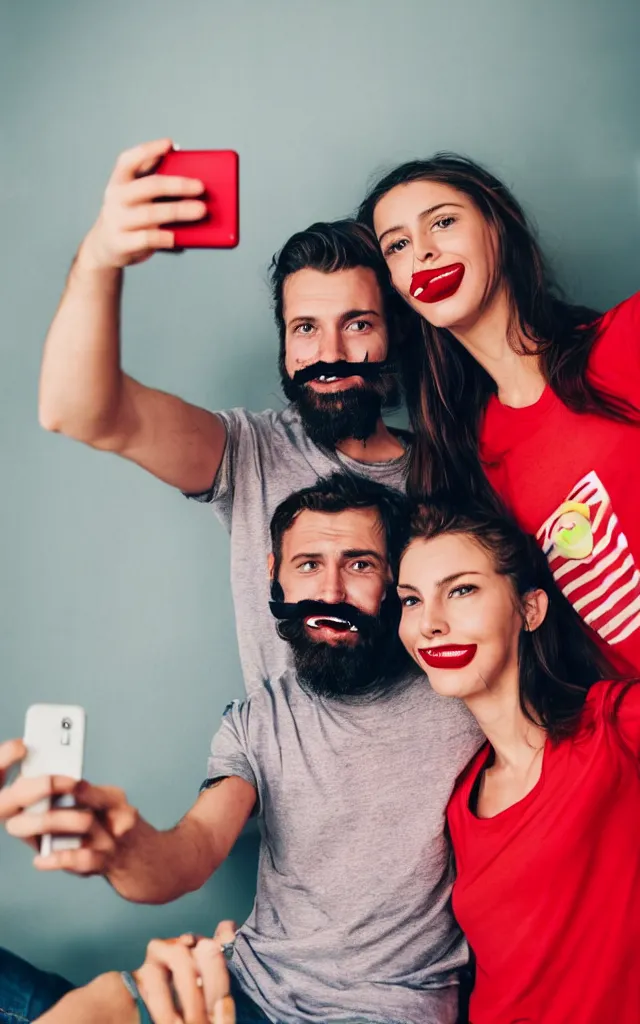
column 269, row 455
column 352, row 918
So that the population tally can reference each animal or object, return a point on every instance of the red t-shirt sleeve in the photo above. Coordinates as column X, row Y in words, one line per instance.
column 614, row 365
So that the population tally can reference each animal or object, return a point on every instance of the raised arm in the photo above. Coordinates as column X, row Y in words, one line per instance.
column 84, row 393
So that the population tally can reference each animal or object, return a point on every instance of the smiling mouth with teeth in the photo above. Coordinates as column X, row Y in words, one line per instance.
column 331, row 622
column 327, row 380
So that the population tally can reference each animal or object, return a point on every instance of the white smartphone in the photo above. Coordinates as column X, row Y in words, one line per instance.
column 54, row 737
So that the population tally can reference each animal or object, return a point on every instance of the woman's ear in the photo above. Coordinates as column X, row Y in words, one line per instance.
column 536, row 604
column 271, row 564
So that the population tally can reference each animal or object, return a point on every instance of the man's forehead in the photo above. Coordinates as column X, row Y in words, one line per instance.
column 346, row 530
column 311, row 292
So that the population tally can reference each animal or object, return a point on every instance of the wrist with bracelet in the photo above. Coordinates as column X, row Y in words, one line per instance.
column 132, row 987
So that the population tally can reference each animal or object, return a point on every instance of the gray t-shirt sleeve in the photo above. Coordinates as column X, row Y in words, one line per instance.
column 221, row 491
column 229, row 749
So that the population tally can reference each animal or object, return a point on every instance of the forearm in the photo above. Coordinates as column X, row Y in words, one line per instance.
column 81, row 378
column 157, row 867
column 103, row 1001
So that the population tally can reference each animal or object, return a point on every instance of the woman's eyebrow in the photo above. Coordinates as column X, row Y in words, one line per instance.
column 456, row 576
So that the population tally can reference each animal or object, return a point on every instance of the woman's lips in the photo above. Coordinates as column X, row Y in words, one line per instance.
column 448, row 655
column 435, row 285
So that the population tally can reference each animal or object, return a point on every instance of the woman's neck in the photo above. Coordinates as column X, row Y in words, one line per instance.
column 518, row 377
column 514, row 738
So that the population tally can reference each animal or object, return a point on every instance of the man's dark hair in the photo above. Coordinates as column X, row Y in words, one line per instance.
column 329, row 247
column 337, row 493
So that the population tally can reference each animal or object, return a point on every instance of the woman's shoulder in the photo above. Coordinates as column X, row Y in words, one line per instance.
column 614, row 705
column 624, row 314
column 614, row 361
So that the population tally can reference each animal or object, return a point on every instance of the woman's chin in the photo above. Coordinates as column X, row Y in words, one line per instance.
column 443, row 315
column 450, row 682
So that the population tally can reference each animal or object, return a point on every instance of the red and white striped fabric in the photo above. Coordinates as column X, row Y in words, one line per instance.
column 603, row 585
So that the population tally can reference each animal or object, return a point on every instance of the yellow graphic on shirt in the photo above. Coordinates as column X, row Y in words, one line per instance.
column 570, row 533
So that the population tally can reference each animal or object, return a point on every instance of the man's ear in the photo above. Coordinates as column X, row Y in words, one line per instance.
column 536, row 605
column 271, row 564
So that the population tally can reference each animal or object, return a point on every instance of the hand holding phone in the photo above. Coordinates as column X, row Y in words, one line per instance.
column 158, row 199
column 129, row 228
column 54, row 737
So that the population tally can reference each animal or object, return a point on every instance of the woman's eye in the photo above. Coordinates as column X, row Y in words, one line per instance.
column 462, row 590
column 445, row 222
column 408, row 602
column 358, row 326
column 396, row 247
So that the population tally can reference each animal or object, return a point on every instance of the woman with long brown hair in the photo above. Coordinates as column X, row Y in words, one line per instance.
column 545, row 820
column 507, row 383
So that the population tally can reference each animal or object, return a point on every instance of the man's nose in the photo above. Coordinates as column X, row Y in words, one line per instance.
column 332, row 590
column 331, row 347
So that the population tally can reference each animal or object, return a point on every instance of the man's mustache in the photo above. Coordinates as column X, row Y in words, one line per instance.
column 322, row 610
column 341, row 368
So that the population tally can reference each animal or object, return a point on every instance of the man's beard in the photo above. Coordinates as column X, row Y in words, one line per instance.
column 330, row 417
column 368, row 667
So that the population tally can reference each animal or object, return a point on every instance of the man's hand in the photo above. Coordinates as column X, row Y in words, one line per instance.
column 102, row 818
column 187, row 979
column 128, row 229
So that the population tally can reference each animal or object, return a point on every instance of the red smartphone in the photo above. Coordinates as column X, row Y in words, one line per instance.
column 217, row 169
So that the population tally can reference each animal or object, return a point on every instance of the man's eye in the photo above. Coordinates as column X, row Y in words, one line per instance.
column 304, row 329
column 361, row 565
column 307, row 566
column 395, row 247
column 358, row 326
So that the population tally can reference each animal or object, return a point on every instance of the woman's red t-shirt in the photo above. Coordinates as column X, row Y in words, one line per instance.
column 573, row 480
column 548, row 891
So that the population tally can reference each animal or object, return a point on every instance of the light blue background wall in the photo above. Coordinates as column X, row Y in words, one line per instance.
column 115, row 589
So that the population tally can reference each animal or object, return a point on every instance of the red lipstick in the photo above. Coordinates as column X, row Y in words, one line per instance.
column 435, row 285
column 448, row 655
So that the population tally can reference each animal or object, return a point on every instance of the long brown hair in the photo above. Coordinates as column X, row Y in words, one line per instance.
column 447, row 391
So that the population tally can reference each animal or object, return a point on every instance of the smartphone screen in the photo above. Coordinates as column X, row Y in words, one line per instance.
column 218, row 170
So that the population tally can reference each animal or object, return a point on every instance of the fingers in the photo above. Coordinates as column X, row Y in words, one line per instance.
column 151, row 215
column 225, row 932
column 139, row 160
column 177, row 962
column 155, row 186
column 92, row 858
column 111, row 803
column 129, row 227
column 25, row 792
column 213, row 970
column 154, row 985
column 62, row 822
column 11, row 752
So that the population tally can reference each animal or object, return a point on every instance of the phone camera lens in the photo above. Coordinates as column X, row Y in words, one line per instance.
column 66, row 723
